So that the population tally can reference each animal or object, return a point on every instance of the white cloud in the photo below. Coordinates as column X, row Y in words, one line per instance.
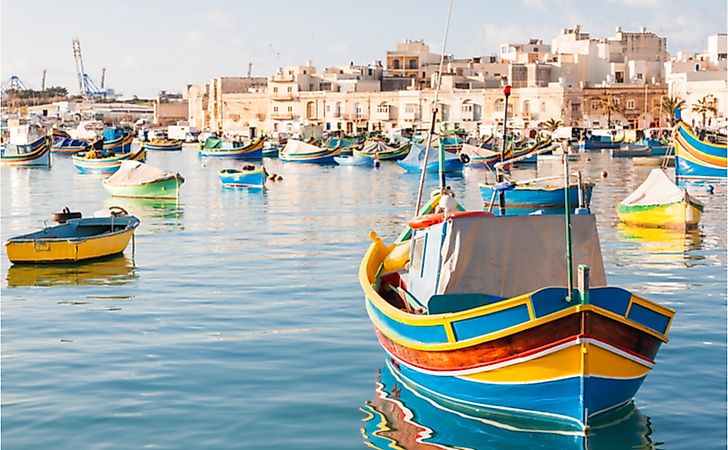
column 219, row 19
column 534, row 4
column 639, row 3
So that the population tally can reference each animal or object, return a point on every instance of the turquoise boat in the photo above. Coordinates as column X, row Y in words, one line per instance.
column 247, row 177
column 535, row 195
column 413, row 161
column 215, row 148
column 163, row 145
column 34, row 154
column 698, row 158
column 135, row 179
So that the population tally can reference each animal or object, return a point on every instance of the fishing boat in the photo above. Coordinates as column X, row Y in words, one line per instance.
column 383, row 151
column 697, row 158
column 76, row 240
column 452, row 144
column 301, row 152
column 271, row 149
column 166, row 145
column 599, row 142
column 630, row 150
column 69, row 146
column 247, row 177
column 344, row 160
column 413, row 161
column 34, row 154
column 117, row 141
column 138, row 180
column 93, row 162
column 483, row 157
column 487, row 312
column 215, row 148
column 658, row 139
column 538, row 193
column 660, row 203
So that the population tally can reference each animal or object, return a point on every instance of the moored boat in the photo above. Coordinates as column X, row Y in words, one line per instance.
column 69, row 146
column 413, row 161
column 138, row 180
column 698, row 158
column 301, row 152
column 659, row 203
column 383, row 151
column 34, row 154
column 166, row 145
column 76, row 240
column 215, row 148
column 247, row 177
column 539, row 194
column 344, row 160
column 630, row 150
column 117, row 141
column 93, row 162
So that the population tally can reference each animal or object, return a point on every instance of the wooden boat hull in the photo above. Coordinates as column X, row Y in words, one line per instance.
column 242, row 178
column 161, row 189
column 121, row 144
column 35, row 154
column 392, row 155
column 72, row 249
column 538, row 196
column 171, row 146
column 678, row 215
column 698, row 159
column 252, row 151
column 597, row 145
column 322, row 157
column 532, row 356
column 106, row 165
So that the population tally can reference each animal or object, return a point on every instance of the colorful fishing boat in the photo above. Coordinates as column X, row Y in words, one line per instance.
column 413, row 161
column 697, row 158
column 34, row 154
column 526, row 193
column 117, row 141
column 658, row 139
column 383, row 151
column 93, row 162
column 344, row 160
column 452, row 144
column 138, row 180
column 483, row 157
column 164, row 145
column 472, row 309
column 659, row 203
column 301, row 152
column 76, row 240
column 271, row 149
column 69, row 146
column 215, row 148
column 247, row 177
column 598, row 142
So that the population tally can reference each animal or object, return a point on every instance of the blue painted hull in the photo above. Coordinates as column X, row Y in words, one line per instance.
column 568, row 402
column 255, row 179
column 537, row 197
column 451, row 165
column 598, row 145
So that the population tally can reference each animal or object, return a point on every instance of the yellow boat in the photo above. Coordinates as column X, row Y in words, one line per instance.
column 76, row 240
column 659, row 203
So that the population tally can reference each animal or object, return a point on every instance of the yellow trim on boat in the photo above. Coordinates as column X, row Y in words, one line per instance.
column 565, row 363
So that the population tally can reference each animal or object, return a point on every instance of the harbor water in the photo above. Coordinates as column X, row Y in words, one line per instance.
column 236, row 320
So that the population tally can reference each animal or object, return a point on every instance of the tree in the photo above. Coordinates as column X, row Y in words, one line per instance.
column 607, row 104
column 704, row 106
column 672, row 104
column 552, row 124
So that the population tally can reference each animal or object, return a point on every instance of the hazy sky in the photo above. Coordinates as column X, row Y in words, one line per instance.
column 151, row 45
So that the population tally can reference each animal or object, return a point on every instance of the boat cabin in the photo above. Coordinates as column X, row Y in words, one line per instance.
column 472, row 261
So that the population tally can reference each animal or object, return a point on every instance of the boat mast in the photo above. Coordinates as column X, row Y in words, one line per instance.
column 567, row 220
column 441, row 166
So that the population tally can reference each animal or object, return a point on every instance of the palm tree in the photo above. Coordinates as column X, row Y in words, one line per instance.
column 606, row 103
column 705, row 105
column 672, row 104
column 552, row 124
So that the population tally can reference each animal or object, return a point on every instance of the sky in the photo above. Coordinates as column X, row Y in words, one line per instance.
column 152, row 45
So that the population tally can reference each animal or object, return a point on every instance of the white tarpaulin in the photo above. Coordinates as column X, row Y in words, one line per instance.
column 132, row 173
column 657, row 189
column 513, row 255
column 373, row 147
column 294, row 147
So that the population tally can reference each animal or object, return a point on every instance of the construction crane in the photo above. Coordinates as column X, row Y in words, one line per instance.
column 42, row 81
column 103, row 77
column 86, row 86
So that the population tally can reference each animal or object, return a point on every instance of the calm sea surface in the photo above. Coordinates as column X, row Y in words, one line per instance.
column 238, row 321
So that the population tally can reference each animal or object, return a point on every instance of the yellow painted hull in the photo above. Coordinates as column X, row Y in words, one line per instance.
column 678, row 215
column 68, row 250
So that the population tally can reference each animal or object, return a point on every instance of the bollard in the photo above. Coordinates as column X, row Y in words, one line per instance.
column 583, row 283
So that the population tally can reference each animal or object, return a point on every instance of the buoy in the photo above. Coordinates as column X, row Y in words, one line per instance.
column 65, row 215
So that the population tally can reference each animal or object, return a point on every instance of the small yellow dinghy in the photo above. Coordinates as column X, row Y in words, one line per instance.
column 660, row 203
column 76, row 240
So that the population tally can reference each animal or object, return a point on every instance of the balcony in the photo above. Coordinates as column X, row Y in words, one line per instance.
column 281, row 96
column 280, row 78
column 355, row 117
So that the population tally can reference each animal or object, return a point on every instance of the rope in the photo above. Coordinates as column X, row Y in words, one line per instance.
column 434, row 115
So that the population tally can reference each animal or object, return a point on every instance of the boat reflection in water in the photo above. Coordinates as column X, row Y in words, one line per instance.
column 661, row 245
column 401, row 417
column 157, row 215
column 115, row 270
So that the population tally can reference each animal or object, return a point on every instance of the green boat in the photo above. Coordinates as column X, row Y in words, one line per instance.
column 138, row 180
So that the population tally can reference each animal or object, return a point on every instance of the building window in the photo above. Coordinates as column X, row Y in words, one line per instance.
column 630, row 104
column 337, row 112
column 575, row 108
column 467, row 107
column 616, row 101
column 395, row 64
column 275, row 89
column 639, row 76
column 410, row 108
column 413, row 64
column 383, row 109
column 357, row 110
column 595, row 105
column 275, row 109
column 290, row 88
column 498, row 105
column 290, row 109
